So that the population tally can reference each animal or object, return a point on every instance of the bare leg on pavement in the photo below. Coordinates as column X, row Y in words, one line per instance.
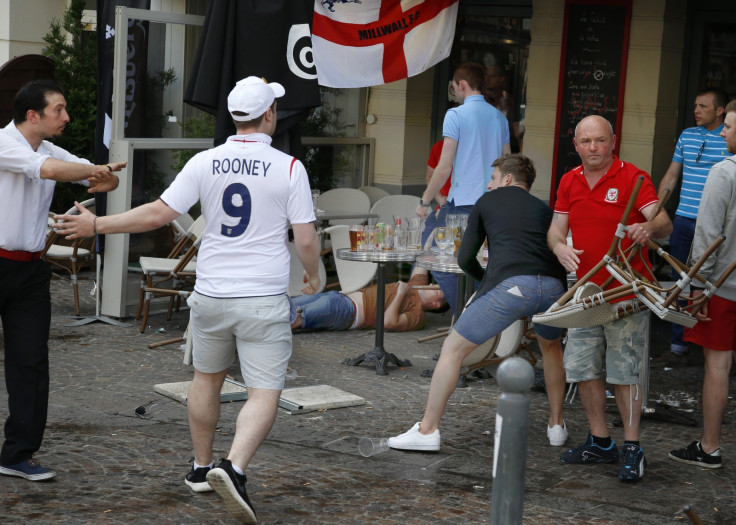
column 593, row 398
column 444, row 379
column 715, row 396
column 554, row 377
column 253, row 425
column 203, row 407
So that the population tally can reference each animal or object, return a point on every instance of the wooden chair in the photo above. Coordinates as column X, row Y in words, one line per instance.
column 71, row 257
column 586, row 304
column 180, row 277
column 158, row 270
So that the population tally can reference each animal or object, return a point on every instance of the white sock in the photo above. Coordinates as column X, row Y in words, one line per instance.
column 197, row 465
column 237, row 469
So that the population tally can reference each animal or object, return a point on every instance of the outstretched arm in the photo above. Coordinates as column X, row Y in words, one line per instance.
column 100, row 177
column 143, row 218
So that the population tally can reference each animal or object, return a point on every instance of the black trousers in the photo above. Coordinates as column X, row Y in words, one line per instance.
column 25, row 311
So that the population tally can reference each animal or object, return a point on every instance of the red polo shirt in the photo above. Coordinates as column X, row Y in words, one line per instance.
column 594, row 214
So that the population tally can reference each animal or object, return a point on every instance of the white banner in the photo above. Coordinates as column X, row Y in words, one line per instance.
column 359, row 44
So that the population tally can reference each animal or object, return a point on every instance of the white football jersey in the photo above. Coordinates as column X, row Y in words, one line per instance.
column 250, row 193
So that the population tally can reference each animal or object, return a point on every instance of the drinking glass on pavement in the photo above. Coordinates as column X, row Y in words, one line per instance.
column 370, row 446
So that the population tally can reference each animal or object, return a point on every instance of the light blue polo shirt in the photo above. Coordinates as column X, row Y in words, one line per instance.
column 698, row 149
column 481, row 132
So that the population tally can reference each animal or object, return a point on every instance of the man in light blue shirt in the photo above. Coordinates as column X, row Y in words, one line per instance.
column 475, row 135
column 697, row 150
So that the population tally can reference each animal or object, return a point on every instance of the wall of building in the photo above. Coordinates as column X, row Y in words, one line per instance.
column 23, row 25
column 403, row 115
column 653, row 76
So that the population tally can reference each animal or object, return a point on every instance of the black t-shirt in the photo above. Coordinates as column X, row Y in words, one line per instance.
column 515, row 223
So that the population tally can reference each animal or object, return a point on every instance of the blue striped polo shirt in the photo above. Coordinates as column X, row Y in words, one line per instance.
column 698, row 149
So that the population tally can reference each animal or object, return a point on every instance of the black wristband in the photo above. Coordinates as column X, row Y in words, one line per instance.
column 423, row 204
column 108, row 167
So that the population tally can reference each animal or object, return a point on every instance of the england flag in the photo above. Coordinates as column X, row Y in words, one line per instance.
column 370, row 42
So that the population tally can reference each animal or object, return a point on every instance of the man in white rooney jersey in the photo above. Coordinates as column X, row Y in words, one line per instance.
column 250, row 193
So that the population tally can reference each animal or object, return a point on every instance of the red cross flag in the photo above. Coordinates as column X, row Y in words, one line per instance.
column 370, row 42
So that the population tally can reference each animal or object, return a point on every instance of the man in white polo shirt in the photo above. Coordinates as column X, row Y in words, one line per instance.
column 250, row 193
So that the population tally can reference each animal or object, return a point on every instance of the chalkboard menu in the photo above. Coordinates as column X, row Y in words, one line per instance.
column 595, row 43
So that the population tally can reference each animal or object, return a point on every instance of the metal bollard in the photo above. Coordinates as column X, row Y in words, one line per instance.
column 515, row 376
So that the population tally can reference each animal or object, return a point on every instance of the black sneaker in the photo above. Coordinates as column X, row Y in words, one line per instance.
column 197, row 479
column 633, row 463
column 231, row 487
column 694, row 455
column 589, row 452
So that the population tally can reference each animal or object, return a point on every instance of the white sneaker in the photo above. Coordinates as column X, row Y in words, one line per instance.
column 415, row 440
column 557, row 435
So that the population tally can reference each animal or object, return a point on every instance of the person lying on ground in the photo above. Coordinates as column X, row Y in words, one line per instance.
column 404, row 307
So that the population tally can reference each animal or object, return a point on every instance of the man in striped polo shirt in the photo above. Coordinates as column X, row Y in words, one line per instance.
column 697, row 150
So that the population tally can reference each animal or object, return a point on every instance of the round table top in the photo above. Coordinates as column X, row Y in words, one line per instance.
column 438, row 263
column 442, row 263
column 389, row 256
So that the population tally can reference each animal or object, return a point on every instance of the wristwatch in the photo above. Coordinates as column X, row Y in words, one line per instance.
column 424, row 204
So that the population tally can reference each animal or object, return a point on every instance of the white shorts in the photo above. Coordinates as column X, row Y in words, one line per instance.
column 258, row 327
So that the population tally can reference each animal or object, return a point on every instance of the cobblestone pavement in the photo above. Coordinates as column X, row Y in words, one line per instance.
column 116, row 467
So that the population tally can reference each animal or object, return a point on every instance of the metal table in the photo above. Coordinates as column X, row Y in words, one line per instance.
column 448, row 263
column 378, row 356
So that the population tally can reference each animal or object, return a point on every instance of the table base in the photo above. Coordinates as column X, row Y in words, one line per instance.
column 379, row 358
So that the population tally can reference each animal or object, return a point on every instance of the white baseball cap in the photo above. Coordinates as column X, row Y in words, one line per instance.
column 252, row 96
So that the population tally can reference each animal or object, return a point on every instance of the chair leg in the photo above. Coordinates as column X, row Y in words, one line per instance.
column 171, row 307
column 75, row 288
column 142, row 295
column 146, row 308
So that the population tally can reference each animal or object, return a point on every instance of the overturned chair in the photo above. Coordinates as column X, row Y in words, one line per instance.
column 587, row 304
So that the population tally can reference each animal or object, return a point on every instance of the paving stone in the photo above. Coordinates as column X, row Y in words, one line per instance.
column 115, row 466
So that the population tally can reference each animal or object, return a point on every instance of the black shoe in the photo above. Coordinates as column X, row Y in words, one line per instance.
column 693, row 454
column 196, row 479
column 231, row 487
column 589, row 452
column 539, row 383
column 633, row 461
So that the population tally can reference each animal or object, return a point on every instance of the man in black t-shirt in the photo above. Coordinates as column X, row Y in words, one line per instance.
column 523, row 277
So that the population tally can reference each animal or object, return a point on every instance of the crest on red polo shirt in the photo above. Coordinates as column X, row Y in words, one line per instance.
column 612, row 195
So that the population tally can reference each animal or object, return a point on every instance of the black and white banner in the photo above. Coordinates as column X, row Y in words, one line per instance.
column 135, row 74
column 264, row 38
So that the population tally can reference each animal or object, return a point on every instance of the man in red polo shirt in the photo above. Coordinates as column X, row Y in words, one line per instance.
column 590, row 202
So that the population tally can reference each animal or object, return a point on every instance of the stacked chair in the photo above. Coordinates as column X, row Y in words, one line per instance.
column 176, row 272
